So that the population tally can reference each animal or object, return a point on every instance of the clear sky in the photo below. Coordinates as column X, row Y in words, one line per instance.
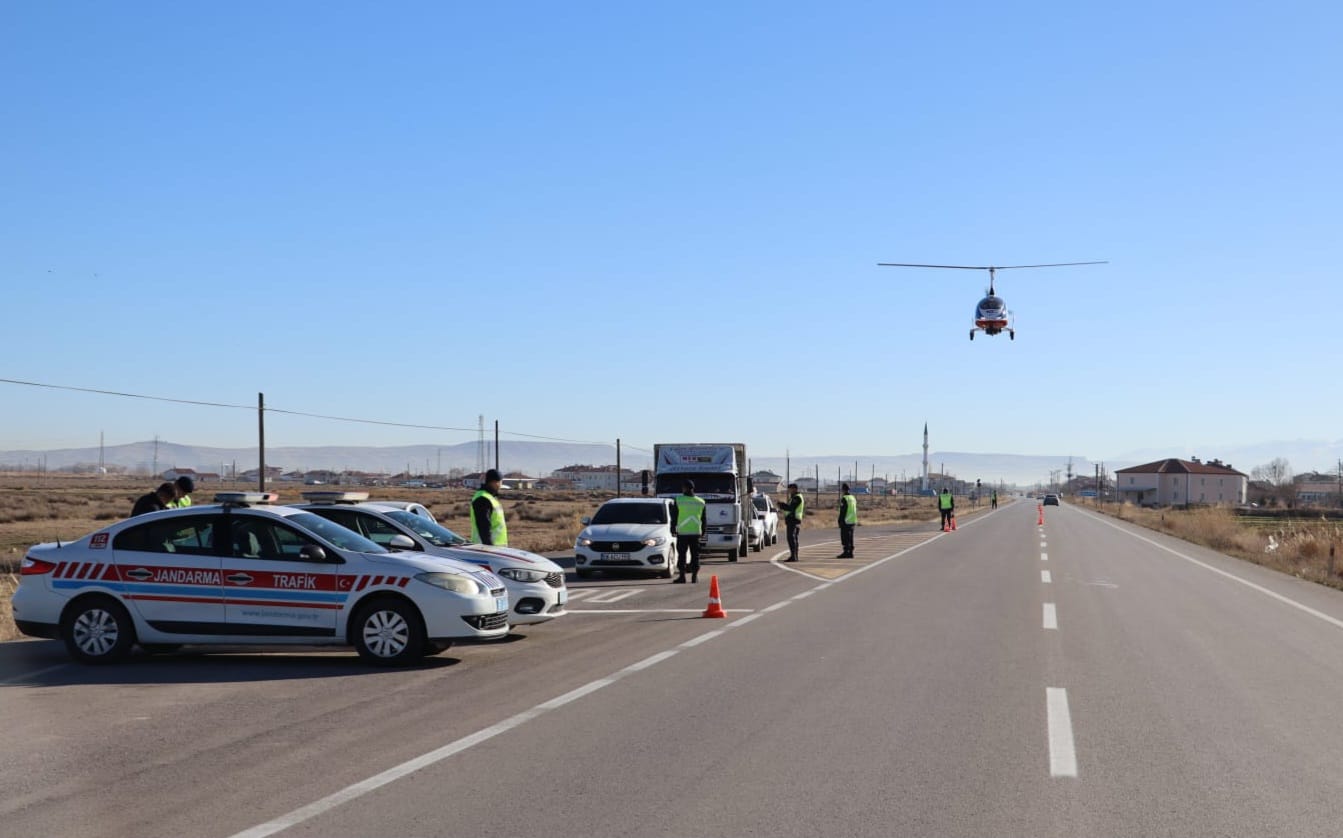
column 662, row 221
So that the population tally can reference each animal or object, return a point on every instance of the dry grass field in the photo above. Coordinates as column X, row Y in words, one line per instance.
column 1305, row 547
column 37, row 509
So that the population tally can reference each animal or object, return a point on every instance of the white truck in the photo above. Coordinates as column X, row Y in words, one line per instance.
column 718, row 470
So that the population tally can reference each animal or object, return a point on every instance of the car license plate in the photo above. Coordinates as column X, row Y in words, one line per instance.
column 563, row 597
column 615, row 557
column 501, row 603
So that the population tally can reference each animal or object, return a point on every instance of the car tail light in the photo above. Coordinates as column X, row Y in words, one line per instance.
column 35, row 567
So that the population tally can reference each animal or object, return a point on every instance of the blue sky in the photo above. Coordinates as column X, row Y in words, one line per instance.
column 661, row 221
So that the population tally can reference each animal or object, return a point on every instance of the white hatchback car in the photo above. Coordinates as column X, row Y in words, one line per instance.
column 535, row 584
column 244, row 572
column 627, row 534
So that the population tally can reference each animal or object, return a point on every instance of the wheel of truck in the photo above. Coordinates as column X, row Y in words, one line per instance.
column 740, row 551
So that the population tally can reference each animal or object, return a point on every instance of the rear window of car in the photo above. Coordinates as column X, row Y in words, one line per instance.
column 175, row 534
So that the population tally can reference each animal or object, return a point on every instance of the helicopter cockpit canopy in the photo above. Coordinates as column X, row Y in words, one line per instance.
column 992, row 302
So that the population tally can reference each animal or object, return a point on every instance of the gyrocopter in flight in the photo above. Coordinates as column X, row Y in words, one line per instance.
column 991, row 314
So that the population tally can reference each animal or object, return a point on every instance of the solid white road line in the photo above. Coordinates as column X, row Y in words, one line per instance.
column 27, row 676
column 1062, row 751
column 1333, row 621
column 357, row 790
column 1051, row 616
column 1045, row 577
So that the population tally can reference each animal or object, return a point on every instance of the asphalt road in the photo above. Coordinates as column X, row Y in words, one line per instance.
column 1079, row 678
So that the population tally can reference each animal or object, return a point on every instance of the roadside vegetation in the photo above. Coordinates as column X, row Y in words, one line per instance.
column 1304, row 546
column 67, row 507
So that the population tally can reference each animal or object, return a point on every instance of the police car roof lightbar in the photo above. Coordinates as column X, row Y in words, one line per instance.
column 335, row 497
column 245, row 498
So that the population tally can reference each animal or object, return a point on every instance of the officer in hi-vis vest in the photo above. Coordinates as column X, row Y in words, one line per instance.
column 688, row 513
column 792, row 519
column 946, row 504
column 848, row 519
column 487, row 513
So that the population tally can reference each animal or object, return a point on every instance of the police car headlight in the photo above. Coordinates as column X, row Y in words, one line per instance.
column 456, row 582
column 522, row 574
column 655, row 542
column 583, row 541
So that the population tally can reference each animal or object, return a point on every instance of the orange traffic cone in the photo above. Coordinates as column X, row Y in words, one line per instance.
column 715, row 608
column 953, row 522
column 1041, row 522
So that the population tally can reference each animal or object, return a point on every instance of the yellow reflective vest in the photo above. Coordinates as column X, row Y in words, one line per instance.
column 851, row 513
column 498, row 529
column 689, row 515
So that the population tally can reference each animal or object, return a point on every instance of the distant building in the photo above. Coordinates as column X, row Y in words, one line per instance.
column 1175, row 482
column 767, row 482
column 1317, row 493
column 594, row 478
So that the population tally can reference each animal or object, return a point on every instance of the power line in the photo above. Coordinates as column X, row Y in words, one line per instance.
column 328, row 417
column 126, row 395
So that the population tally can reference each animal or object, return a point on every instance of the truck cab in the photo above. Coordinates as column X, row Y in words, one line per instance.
column 718, row 471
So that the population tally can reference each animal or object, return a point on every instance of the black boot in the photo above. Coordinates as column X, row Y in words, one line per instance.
column 680, row 580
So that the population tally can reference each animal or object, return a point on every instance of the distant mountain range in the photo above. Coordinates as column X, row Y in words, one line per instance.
column 541, row 458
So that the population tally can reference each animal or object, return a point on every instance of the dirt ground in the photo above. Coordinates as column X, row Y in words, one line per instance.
column 36, row 509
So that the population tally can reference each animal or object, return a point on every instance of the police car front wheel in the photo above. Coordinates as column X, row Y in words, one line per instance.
column 97, row 629
column 389, row 632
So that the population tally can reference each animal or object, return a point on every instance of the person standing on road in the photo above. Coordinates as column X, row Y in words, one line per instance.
column 184, row 486
column 848, row 519
column 793, row 519
column 158, row 499
column 993, row 500
column 947, row 506
column 487, row 513
column 688, row 511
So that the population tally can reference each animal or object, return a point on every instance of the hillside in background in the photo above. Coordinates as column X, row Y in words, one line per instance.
column 540, row 458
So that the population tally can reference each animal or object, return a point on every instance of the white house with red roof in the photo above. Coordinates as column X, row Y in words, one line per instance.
column 1175, row 482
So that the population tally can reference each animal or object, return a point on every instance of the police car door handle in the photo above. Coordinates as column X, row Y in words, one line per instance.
column 239, row 578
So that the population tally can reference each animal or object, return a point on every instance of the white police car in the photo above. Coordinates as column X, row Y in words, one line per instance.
column 535, row 584
column 243, row 572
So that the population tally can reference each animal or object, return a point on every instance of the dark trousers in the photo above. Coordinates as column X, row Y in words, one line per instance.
column 846, row 537
column 794, row 528
column 946, row 517
column 687, row 544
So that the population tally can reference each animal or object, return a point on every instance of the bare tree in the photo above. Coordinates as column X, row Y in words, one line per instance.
column 1278, row 474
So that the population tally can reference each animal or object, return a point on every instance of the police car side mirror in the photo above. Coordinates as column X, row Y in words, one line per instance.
column 585, row 520
column 312, row 553
column 401, row 542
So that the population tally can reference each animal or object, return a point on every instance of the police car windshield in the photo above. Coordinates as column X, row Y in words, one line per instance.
column 631, row 513
column 335, row 534
column 436, row 534
column 760, row 503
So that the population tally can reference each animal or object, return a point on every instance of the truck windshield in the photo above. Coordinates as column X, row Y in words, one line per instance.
column 705, row 484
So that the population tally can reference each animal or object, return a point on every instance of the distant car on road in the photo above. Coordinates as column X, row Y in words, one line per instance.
column 627, row 534
column 765, row 527
column 1051, row 500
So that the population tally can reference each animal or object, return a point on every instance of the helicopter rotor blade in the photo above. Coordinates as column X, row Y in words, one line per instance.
column 984, row 267
column 914, row 265
column 1050, row 265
